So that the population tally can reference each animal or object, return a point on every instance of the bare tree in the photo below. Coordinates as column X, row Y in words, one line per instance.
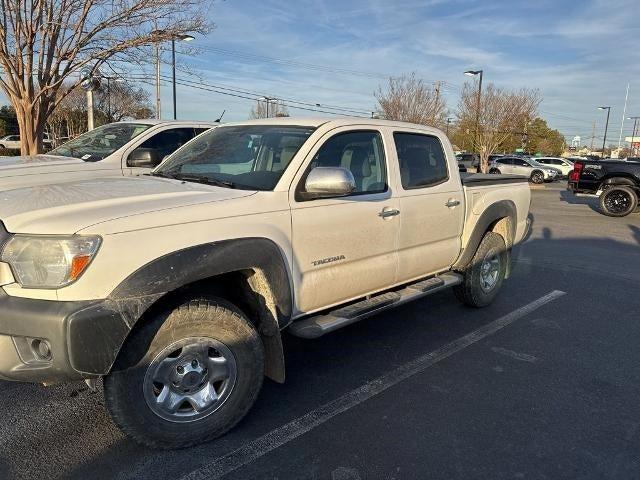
column 410, row 99
column 269, row 108
column 45, row 43
column 502, row 113
column 123, row 101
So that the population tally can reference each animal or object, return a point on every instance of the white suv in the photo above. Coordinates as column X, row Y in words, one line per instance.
column 565, row 166
column 536, row 172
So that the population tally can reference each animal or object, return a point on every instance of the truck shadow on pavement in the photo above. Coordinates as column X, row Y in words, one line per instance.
column 570, row 198
column 65, row 432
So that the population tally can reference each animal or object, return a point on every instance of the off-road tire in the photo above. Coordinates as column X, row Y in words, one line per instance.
column 203, row 317
column 625, row 193
column 470, row 291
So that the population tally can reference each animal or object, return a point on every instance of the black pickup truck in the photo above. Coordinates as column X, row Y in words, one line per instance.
column 616, row 182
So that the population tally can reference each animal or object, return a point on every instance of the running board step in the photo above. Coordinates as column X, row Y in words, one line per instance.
column 318, row 325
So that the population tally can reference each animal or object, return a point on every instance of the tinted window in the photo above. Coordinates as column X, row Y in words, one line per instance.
column 168, row 141
column 362, row 153
column 249, row 156
column 519, row 161
column 422, row 160
column 504, row 161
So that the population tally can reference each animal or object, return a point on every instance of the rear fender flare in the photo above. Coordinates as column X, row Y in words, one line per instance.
column 492, row 215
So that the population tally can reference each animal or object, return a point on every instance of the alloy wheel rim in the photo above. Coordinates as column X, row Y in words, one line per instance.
column 490, row 270
column 617, row 201
column 190, row 379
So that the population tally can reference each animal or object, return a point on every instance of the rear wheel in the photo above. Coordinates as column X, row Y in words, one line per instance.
column 485, row 274
column 186, row 377
column 618, row 201
column 537, row 177
column 494, row 171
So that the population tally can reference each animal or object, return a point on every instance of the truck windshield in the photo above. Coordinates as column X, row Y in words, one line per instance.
column 101, row 142
column 248, row 156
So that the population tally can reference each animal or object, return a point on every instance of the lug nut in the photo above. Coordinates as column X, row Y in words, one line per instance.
column 194, row 363
column 180, row 369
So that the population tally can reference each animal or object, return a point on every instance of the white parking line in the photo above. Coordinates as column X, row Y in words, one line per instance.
column 294, row 429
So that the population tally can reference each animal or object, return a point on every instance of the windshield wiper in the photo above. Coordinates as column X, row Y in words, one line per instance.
column 204, row 179
column 160, row 174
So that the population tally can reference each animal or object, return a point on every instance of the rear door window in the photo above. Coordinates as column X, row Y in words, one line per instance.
column 422, row 160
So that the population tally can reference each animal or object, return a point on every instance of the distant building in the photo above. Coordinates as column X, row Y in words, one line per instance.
column 576, row 142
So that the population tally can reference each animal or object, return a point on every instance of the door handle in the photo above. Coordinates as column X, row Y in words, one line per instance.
column 386, row 213
column 452, row 202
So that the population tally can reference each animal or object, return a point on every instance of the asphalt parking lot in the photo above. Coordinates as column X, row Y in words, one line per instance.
column 544, row 383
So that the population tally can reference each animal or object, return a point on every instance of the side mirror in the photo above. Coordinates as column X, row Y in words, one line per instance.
column 327, row 182
column 143, row 158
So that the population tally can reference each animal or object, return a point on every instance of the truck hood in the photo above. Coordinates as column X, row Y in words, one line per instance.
column 69, row 207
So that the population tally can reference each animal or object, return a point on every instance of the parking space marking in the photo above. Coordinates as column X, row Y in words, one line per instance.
column 261, row 446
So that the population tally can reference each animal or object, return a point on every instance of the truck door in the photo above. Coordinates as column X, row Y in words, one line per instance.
column 345, row 247
column 431, row 206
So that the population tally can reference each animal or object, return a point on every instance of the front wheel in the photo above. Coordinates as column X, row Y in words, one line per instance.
column 187, row 376
column 537, row 177
column 485, row 274
column 494, row 171
column 618, row 201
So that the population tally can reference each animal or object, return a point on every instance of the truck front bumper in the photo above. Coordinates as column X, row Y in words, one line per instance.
column 46, row 341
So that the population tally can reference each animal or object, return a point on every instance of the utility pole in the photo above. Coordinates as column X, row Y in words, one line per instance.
column 633, row 134
column 593, row 134
column 448, row 122
column 157, row 45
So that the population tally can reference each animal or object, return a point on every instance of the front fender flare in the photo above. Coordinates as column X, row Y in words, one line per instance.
column 138, row 292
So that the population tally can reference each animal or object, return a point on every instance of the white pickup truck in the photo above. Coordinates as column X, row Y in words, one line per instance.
column 122, row 148
column 175, row 286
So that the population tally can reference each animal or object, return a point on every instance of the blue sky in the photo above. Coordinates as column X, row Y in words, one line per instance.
column 579, row 54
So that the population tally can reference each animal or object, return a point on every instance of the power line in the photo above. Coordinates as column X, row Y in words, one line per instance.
column 256, row 98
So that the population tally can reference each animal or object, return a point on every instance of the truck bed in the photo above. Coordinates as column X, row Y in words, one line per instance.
column 485, row 179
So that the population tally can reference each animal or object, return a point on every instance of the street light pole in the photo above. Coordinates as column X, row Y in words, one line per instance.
column 472, row 73
column 448, row 122
column 604, row 141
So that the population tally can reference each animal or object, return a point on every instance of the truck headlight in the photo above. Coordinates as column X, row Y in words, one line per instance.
column 40, row 261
